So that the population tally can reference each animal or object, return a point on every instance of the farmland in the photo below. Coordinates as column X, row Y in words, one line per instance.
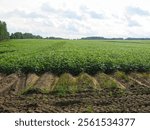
column 74, row 76
column 74, row 56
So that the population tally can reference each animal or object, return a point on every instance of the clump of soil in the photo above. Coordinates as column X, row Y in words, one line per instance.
column 6, row 84
column 1, row 76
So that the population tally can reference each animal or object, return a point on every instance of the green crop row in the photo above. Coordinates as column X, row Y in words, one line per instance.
column 74, row 56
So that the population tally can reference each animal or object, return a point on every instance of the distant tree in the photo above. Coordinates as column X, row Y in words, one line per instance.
column 28, row 36
column 12, row 36
column 38, row 37
column 3, row 31
column 17, row 35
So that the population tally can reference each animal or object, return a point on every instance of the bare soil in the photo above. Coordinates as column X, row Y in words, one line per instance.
column 118, row 92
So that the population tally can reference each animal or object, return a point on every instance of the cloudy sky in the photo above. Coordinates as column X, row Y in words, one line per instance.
column 78, row 18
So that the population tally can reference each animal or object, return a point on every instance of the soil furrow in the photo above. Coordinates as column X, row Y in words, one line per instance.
column 118, row 92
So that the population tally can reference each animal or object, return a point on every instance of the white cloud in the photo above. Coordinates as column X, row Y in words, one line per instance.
column 137, row 11
column 78, row 18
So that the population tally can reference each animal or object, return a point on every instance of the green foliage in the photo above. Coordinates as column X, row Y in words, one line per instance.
column 121, row 75
column 74, row 56
column 20, row 35
column 61, row 90
column 3, row 31
column 106, row 82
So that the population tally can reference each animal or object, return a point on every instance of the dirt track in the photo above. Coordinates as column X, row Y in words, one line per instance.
column 117, row 92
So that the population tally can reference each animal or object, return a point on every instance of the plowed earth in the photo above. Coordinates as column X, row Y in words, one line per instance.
column 117, row 92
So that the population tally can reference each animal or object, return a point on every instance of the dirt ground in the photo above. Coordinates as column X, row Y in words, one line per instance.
column 132, row 94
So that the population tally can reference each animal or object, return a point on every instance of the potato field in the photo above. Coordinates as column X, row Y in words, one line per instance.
column 74, row 75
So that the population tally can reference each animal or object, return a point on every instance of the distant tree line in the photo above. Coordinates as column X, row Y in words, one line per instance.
column 100, row 38
column 130, row 38
column 93, row 38
column 4, row 34
column 103, row 38
column 55, row 38
column 20, row 35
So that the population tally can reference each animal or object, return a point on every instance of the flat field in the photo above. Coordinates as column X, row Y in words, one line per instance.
column 74, row 56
